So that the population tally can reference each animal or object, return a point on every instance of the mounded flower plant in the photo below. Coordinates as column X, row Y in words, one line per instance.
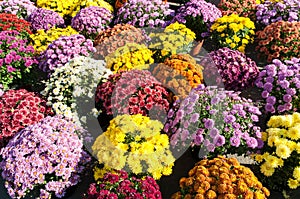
column 62, row 50
column 45, row 19
column 279, row 159
column 71, row 88
column 16, row 58
column 215, row 121
column 198, row 15
column 279, row 83
column 109, row 40
column 220, row 178
column 279, row 40
column 92, row 20
column 237, row 71
column 134, row 143
column 144, row 13
column 44, row 159
column 133, row 92
column 19, row 109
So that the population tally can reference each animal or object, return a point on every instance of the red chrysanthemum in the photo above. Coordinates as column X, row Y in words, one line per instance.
column 18, row 109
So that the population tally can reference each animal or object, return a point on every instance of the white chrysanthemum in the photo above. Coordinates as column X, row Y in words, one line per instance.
column 70, row 87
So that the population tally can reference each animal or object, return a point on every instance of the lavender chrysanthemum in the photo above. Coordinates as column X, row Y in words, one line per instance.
column 232, row 126
column 45, row 19
column 62, row 50
column 144, row 13
column 48, row 154
column 236, row 69
column 280, row 83
column 271, row 12
column 198, row 15
column 91, row 20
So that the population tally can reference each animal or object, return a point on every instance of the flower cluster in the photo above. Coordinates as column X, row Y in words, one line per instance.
column 75, row 80
column 182, row 30
column 43, row 38
column 45, row 19
column 21, row 8
column 91, row 20
column 233, row 32
column 198, row 15
column 279, row 40
column 16, row 57
column 134, row 142
column 18, row 109
column 220, row 178
column 245, row 8
column 270, row 12
column 47, row 156
column 219, row 121
column 109, row 40
column 133, row 92
column 280, row 83
column 12, row 22
column 99, row 3
column 120, row 184
column 62, row 50
column 130, row 56
column 180, row 73
column 67, row 8
column 236, row 69
column 144, row 13
column 279, row 161
column 176, row 38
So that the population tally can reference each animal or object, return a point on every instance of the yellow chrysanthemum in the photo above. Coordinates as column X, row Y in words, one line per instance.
column 235, row 27
column 99, row 3
column 296, row 117
column 283, row 151
column 236, row 38
column 296, row 173
column 157, row 175
column 137, row 57
column 99, row 172
column 149, row 152
column 272, row 140
column 232, row 45
column 41, row 40
column 281, row 121
column 272, row 161
column 221, row 28
column 264, row 136
column 297, row 148
column 266, row 169
column 294, row 132
column 241, row 49
column 228, row 41
column 63, row 8
column 292, row 145
column 293, row 184
column 258, row 158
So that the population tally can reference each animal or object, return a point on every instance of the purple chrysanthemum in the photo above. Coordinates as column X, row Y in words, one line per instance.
column 198, row 15
column 45, row 19
column 62, row 50
column 91, row 20
column 230, row 127
column 281, row 95
column 48, row 154
column 144, row 13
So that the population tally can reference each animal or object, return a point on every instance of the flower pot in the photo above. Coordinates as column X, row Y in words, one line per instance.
column 196, row 50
